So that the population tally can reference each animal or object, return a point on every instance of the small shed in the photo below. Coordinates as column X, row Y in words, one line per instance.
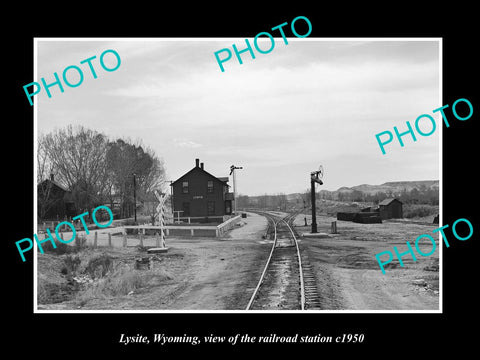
column 391, row 208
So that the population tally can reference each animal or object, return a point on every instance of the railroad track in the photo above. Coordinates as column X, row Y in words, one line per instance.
column 286, row 283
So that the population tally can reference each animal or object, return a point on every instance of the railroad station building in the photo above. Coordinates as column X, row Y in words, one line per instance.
column 200, row 196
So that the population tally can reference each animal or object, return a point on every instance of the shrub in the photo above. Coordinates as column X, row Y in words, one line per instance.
column 99, row 266
column 412, row 211
column 71, row 264
column 122, row 281
column 60, row 249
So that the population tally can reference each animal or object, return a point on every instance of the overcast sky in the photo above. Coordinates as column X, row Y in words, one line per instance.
column 281, row 115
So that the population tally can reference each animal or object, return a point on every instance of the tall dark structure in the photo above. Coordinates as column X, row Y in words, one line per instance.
column 315, row 177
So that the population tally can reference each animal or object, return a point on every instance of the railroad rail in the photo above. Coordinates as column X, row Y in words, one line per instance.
column 281, row 284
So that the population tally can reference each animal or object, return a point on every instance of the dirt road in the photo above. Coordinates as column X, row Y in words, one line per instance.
column 350, row 278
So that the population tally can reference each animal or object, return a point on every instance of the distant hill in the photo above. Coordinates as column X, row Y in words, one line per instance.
column 388, row 189
column 396, row 186
column 409, row 192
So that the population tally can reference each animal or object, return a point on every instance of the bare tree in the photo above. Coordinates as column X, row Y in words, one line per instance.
column 77, row 155
column 155, row 179
column 243, row 201
column 44, row 198
column 307, row 198
column 43, row 165
column 263, row 201
column 127, row 160
column 282, row 201
column 96, row 170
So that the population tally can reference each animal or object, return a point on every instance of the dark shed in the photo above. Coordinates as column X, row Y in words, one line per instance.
column 391, row 209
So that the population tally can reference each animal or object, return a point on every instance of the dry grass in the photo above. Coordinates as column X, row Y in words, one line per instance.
column 93, row 273
column 122, row 281
column 52, row 285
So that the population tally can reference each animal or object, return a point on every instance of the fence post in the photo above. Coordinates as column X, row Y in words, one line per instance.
column 109, row 239
column 334, row 227
column 157, row 240
column 125, row 238
column 141, row 239
column 95, row 240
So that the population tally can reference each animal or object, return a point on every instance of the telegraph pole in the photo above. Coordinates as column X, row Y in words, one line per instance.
column 232, row 171
column 134, row 198
column 315, row 177
column 171, row 200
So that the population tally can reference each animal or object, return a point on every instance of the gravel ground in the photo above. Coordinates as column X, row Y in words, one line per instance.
column 349, row 274
column 221, row 273
column 206, row 273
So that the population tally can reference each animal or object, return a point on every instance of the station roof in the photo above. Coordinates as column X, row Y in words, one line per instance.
column 223, row 180
column 388, row 201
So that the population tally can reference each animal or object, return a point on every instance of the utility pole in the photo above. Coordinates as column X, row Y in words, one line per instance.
column 171, row 200
column 315, row 177
column 232, row 171
column 135, row 198
column 305, row 211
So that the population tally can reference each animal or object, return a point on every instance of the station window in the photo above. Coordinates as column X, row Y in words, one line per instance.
column 211, row 208
column 185, row 187
column 210, row 186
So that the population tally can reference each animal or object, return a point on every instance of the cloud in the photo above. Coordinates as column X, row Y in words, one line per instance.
column 185, row 143
column 303, row 104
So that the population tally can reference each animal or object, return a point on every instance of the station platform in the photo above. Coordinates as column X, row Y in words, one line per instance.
column 252, row 227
